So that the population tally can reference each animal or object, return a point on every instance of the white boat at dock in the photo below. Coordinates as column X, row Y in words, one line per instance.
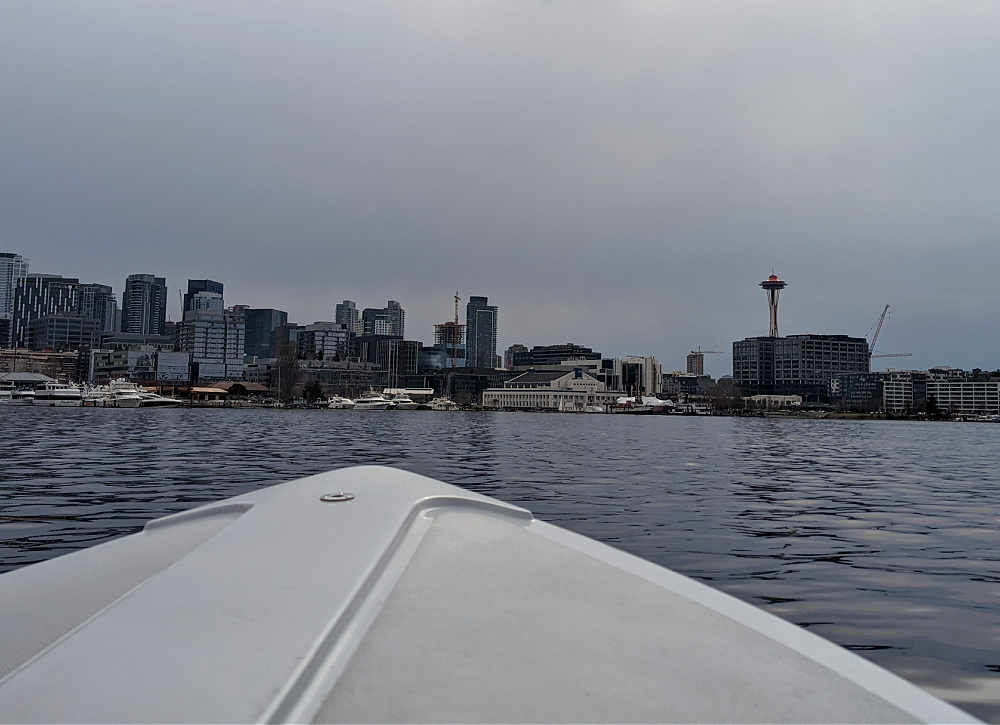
column 443, row 404
column 60, row 395
column 372, row 401
column 402, row 401
column 118, row 393
column 338, row 402
column 17, row 396
column 372, row 594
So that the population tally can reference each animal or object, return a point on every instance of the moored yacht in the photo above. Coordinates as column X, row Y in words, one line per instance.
column 402, row 401
column 340, row 403
column 16, row 396
column 443, row 404
column 372, row 401
column 148, row 399
column 123, row 394
column 58, row 394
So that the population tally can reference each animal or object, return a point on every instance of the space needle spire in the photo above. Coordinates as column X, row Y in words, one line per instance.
column 773, row 286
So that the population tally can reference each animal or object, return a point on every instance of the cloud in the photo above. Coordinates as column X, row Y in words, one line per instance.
column 619, row 175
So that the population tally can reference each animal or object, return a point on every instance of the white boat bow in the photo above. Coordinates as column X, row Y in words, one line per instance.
column 376, row 595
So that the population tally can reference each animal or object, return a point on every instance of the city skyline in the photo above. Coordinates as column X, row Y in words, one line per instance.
column 619, row 175
column 347, row 310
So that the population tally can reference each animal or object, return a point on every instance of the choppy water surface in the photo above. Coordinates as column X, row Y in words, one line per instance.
column 879, row 535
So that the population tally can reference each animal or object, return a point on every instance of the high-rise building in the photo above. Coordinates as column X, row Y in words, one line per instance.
column 13, row 267
column 481, row 333
column 553, row 354
column 97, row 302
column 696, row 363
column 200, row 285
column 510, row 352
column 215, row 337
column 261, row 324
column 144, row 305
column 797, row 364
column 347, row 315
column 41, row 295
column 375, row 321
column 397, row 318
column 322, row 341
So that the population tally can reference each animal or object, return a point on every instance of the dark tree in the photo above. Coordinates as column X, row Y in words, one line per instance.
column 287, row 374
column 312, row 391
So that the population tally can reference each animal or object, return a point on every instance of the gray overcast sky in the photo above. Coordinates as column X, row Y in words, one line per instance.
column 621, row 175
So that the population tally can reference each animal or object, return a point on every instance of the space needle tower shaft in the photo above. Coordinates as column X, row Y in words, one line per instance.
column 773, row 286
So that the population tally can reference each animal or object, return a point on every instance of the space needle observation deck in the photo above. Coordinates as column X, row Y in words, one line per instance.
column 773, row 286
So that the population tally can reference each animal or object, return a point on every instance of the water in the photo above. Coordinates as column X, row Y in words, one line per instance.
column 881, row 536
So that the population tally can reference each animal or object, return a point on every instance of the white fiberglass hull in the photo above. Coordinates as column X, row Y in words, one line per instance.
column 376, row 595
column 122, row 402
column 372, row 405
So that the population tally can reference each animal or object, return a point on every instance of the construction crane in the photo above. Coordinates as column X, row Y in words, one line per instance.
column 696, row 360
column 878, row 329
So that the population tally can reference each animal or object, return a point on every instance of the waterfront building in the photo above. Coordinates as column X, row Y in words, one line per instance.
column 677, row 384
column 960, row 392
column 553, row 354
column 464, row 385
column 323, row 340
column 63, row 332
column 865, row 393
column 350, row 378
column 261, row 324
column 481, row 332
column 200, row 285
column 510, row 352
column 797, row 364
column 61, row 366
column 634, row 375
column 41, row 295
column 346, row 314
column 144, row 305
column 129, row 341
column 775, row 401
column 393, row 356
column 553, row 390
column 138, row 366
column 903, row 391
column 215, row 337
column 13, row 268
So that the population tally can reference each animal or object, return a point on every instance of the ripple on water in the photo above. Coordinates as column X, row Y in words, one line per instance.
column 881, row 536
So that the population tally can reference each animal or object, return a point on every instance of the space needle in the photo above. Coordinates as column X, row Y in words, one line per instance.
column 773, row 286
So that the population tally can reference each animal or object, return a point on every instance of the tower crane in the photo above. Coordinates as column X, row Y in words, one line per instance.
column 696, row 360
column 878, row 329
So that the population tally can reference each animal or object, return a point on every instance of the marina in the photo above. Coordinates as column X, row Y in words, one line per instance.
column 877, row 535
